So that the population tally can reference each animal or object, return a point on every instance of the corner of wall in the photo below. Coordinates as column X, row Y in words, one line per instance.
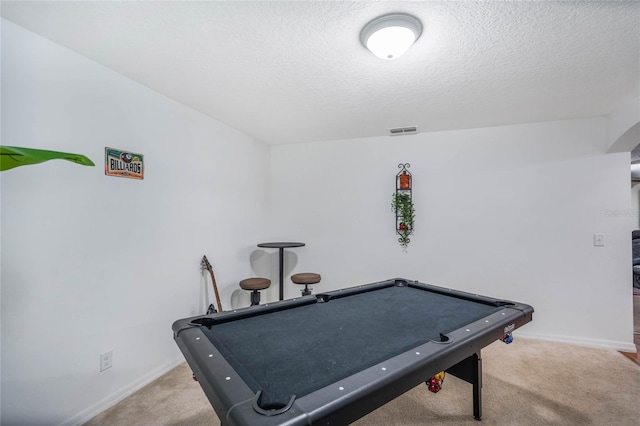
column 623, row 127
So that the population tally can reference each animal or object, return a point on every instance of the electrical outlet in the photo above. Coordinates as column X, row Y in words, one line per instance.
column 106, row 360
column 598, row 240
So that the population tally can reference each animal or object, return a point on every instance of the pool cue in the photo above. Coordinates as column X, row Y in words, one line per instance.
column 205, row 263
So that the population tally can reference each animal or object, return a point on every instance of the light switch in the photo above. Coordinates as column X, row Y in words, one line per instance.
column 598, row 240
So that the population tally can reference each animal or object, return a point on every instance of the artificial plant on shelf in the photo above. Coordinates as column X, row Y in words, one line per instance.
column 402, row 206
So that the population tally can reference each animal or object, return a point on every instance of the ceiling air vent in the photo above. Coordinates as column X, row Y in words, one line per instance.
column 403, row 131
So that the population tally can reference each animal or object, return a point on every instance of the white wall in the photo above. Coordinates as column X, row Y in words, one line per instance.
column 92, row 263
column 623, row 126
column 634, row 212
column 508, row 212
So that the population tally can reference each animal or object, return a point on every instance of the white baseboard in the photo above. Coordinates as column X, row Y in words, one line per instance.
column 594, row 343
column 111, row 400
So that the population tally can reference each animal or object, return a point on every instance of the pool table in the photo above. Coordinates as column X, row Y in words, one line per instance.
column 331, row 358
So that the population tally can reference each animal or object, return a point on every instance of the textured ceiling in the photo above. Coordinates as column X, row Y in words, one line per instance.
column 288, row 72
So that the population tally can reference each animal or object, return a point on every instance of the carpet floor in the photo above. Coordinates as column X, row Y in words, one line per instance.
column 526, row 383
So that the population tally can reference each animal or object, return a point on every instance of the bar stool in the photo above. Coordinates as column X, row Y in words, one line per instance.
column 255, row 284
column 305, row 278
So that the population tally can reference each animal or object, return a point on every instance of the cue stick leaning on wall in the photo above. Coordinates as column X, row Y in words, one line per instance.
column 205, row 264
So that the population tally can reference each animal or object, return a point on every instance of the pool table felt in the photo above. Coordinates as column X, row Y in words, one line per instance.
column 297, row 351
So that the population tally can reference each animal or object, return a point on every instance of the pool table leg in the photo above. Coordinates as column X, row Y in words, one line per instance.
column 477, row 386
column 470, row 370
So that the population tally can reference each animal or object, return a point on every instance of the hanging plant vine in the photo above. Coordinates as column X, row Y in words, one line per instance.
column 402, row 206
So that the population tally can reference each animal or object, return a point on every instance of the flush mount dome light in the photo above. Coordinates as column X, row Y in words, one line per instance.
column 389, row 36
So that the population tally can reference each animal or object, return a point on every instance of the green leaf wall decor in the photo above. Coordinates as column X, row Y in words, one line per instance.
column 13, row 156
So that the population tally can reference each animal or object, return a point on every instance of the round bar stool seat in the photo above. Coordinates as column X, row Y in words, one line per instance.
column 255, row 284
column 305, row 278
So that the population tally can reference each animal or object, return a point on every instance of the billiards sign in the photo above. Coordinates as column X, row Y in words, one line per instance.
column 123, row 163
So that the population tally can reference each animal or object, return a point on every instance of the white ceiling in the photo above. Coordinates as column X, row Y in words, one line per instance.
column 288, row 72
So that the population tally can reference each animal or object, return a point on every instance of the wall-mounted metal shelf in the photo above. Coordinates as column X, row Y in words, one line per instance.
column 402, row 204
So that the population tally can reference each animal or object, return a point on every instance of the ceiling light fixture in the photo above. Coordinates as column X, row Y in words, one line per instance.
column 389, row 36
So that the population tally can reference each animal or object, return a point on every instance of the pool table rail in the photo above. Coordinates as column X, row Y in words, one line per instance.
column 352, row 397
